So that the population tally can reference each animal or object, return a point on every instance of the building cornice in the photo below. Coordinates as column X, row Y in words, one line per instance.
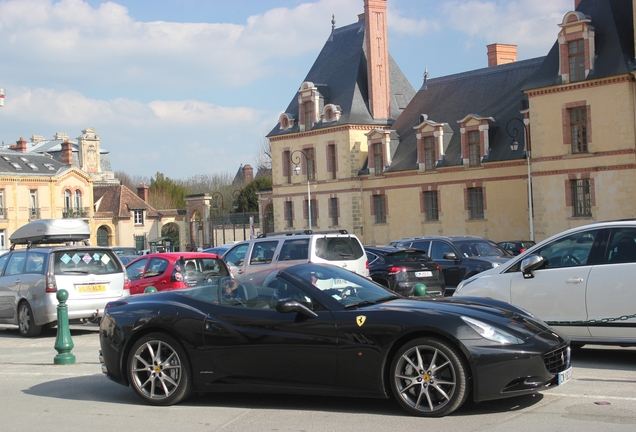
column 580, row 85
column 326, row 131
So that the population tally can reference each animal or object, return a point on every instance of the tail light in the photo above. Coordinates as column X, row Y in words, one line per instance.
column 395, row 270
column 126, row 282
column 437, row 267
column 51, row 285
column 368, row 268
column 522, row 250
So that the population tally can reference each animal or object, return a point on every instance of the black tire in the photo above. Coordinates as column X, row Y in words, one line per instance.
column 429, row 377
column 26, row 323
column 159, row 370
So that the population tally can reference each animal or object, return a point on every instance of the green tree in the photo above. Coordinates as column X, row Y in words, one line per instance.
column 163, row 187
column 247, row 198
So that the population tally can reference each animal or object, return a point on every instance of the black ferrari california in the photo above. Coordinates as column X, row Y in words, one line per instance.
column 320, row 329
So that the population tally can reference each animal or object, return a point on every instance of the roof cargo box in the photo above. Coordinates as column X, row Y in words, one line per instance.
column 43, row 231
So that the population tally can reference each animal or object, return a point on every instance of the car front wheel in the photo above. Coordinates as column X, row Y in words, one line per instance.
column 26, row 322
column 159, row 371
column 429, row 377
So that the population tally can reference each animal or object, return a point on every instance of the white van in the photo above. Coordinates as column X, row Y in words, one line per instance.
column 30, row 277
column 252, row 260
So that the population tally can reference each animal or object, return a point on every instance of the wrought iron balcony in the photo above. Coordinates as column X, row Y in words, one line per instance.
column 80, row 212
column 34, row 213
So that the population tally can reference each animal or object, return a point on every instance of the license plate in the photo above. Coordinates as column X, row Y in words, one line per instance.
column 564, row 376
column 91, row 288
column 423, row 274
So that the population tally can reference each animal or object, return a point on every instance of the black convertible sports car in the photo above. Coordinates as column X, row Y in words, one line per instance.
column 320, row 329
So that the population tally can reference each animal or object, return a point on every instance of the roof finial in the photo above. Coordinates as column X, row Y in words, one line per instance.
column 333, row 22
column 424, row 87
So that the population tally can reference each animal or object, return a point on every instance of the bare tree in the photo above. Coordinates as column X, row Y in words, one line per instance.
column 130, row 181
column 264, row 153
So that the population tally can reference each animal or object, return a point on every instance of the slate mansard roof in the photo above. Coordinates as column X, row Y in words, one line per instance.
column 340, row 74
column 27, row 164
column 490, row 92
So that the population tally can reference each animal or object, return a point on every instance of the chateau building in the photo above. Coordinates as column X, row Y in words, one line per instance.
column 517, row 150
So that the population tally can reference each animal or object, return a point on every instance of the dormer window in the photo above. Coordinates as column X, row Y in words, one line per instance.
column 475, row 140
column 430, row 143
column 576, row 47
column 331, row 113
column 286, row 121
column 309, row 105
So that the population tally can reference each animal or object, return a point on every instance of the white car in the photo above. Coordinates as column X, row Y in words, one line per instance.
column 580, row 281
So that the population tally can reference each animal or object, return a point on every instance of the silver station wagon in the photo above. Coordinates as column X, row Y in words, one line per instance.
column 30, row 276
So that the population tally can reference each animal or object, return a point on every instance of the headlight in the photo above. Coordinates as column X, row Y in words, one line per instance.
column 491, row 333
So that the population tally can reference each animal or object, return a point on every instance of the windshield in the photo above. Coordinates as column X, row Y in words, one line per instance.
column 348, row 288
column 479, row 248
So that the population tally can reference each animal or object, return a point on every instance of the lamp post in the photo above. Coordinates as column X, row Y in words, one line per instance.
column 236, row 195
column 514, row 145
column 215, row 207
column 296, row 161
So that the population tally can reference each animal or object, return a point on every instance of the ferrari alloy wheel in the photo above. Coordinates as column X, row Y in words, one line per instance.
column 159, row 371
column 26, row 322
column 429, row 377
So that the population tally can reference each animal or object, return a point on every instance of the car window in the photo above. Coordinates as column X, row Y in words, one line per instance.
column 479, row 248
column 338, row 248
column 621, row 247
column 86, row 261
column 409, row 256
column 35, row 262
column 263, row 252
column 283, row 289
column 136, row 270
column 156, row 266
column 421, row 245
column 571, row 251
column 3, row 261
column 371, row 257
column 438, row 250
column 15, row 264
column 236, row 256
column 295, row 249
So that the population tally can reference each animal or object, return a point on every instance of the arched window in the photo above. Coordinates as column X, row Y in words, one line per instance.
column 102, row 236
column 78, row 200
column 68, row 203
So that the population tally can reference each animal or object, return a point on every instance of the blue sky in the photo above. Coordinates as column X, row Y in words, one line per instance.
column 190, row 87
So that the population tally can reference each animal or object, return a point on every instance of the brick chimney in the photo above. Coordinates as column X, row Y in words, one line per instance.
column 248, row 174
column 499, row 54
column 142, row 192
column 377, row 46
column 67, row 152
column 20, row 145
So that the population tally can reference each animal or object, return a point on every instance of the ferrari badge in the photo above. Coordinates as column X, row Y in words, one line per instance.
column 360, row 319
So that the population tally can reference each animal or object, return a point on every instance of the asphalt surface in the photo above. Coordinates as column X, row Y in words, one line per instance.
column 37, row 395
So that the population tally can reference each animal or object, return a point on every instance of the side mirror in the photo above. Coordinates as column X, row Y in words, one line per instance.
column 450, row 256
column 531, row 263
column 287, row 305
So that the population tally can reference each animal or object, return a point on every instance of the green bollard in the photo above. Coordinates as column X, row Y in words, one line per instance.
column 150, row 289
column 419, row 290
column 63, row 341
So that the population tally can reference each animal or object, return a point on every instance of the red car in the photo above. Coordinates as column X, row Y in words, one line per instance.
column 175, row 270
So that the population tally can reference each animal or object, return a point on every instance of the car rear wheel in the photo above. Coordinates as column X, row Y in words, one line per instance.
column 26, row 322
column 429, row 377
column 159, row 371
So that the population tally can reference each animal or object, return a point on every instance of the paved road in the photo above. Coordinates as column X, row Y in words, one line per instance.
column 37, row 395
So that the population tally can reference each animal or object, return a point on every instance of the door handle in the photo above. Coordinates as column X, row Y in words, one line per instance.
column 574, row 280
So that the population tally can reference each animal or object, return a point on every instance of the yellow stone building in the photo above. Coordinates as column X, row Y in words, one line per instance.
column 517, row 150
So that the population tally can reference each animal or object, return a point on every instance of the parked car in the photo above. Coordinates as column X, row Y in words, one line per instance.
column 219, row 250
column 174, row 270
column 124, row 250
column 354, row 338
column 580, row 281
column 31, row 277
column 460, row 257
column 515, row 247
column 400, row 269
column 252, row 260
column 127, row 259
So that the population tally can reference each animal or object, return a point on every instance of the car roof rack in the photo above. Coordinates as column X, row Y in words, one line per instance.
column 301, row 232
column 51, row 231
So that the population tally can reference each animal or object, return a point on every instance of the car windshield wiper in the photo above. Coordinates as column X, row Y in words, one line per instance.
column 76, row 271
column 370, row 302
